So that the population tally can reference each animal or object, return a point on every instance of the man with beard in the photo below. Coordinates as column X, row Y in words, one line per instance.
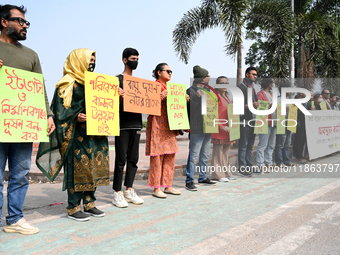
column 247, row 136
column 13, row 26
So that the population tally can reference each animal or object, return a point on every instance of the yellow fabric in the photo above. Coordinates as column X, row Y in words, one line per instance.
column 74, row 70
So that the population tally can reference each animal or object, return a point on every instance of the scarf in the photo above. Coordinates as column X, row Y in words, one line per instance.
column 74, row 70
column 163, row 85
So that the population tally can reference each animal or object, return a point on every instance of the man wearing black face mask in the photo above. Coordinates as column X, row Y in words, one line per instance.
column 127, row 144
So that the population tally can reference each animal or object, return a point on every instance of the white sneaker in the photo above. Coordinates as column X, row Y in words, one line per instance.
column 232, row 177
column 225, row 179
column 132, row 197
column 119, row 200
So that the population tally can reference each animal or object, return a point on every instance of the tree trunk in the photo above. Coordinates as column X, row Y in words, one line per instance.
column 239, row 63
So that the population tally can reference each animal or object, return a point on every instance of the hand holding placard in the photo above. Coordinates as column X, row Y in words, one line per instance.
column 177, row 106
column 102, row 105
column 23, row 111
column 142, row 96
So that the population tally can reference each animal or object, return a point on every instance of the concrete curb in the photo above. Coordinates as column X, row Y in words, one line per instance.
column 142, row 174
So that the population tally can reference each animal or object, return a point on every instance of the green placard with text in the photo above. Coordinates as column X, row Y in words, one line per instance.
column 234, row 126
column 212, row 114
column 280, row 129
column 23, row 111
column 261, row 126
column 292, row 118
column 177, row 106
column 323, row 105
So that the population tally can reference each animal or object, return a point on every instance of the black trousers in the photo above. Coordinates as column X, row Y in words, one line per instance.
column 300, row 141
column 127, row 152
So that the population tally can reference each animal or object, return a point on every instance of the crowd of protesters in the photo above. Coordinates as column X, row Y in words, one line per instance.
column 85, row 159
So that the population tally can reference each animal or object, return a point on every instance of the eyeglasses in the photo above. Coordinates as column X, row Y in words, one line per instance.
column 21, row 21
column 253, row 74
column 168, row 71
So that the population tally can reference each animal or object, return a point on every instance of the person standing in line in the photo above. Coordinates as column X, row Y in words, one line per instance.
column 85, row 158
column 200, row 142
column 325, row 95
column 247, row 136
column 317, row 100
column 13, row 26
column 266, row 144
column 300, row 135
column 221, row 140
column 332, row 100
column 283, row 141
column 161, row 142
column 127, row 144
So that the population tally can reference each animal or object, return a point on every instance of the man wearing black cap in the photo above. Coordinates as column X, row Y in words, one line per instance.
column 199, row 145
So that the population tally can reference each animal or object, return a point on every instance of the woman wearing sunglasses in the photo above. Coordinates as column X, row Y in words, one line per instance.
column 161, row 142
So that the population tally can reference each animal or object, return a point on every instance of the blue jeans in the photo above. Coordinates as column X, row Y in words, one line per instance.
column 199, row 149
column 19, row 164
column 265, row 147
column 245, row 147
column 282, row 148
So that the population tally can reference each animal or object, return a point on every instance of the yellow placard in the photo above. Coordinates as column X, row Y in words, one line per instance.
column 323, row 105
column 102, row 104
column 280, row 129
column 212, row 114
column 292, row 118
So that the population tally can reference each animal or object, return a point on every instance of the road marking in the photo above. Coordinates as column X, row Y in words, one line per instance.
column 298, row 237
column 322, row 203
column 213, row 243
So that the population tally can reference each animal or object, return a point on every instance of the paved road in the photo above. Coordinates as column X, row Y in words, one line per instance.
column 276, row 213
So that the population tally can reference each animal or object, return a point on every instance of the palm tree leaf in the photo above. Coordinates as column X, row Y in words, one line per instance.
column 191, row 25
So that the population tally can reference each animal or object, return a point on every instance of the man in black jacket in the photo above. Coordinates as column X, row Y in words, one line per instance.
column 200, row 142
column 247, row 138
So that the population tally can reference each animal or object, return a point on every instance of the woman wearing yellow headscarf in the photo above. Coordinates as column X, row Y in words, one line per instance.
column 85, row 158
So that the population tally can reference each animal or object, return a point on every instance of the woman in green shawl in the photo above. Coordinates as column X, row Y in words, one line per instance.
column 85, row 158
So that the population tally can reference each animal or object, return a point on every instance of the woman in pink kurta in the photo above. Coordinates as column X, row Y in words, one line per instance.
column 161, row 142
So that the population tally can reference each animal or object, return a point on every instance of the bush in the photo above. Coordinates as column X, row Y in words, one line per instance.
column 144, row 123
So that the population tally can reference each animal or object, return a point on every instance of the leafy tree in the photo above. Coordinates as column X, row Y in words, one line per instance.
column 231, row 16
column 316, row 43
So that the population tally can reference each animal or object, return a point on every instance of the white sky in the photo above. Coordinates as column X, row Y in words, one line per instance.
column 108, row 27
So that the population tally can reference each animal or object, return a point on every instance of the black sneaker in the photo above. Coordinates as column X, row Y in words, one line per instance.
column 191, row 186
column 245, row 174
column 95, row 212
column 207, row 181
column 79, row 216
column 258, row 170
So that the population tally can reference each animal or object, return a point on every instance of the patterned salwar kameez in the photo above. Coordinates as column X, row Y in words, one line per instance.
column 161, row 146
column 85, row 158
